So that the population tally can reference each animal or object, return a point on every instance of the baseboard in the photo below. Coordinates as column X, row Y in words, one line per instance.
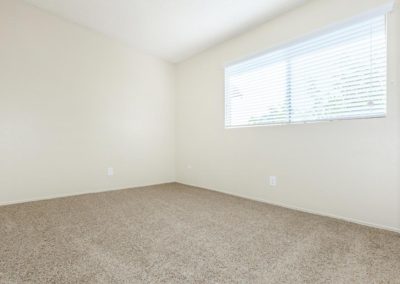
column 351, row 220
column 55, row 196
column 355, row 221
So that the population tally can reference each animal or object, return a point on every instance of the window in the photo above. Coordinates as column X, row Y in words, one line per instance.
column 334, row 76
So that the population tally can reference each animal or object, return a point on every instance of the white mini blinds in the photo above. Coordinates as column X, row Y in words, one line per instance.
column 337, row 75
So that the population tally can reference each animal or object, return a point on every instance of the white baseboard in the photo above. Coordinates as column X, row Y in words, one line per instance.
column 359, row 222
column 351, row 220
column 55, row 196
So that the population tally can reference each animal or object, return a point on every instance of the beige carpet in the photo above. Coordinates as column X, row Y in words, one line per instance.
column 179, row 234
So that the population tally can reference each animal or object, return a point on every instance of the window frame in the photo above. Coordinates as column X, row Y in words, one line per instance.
column 383, row 10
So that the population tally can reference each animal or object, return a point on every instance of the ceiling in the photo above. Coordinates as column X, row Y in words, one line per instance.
column 171, row 29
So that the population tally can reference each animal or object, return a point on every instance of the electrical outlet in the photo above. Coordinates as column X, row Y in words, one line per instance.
column 273, row 181
column 110, row 172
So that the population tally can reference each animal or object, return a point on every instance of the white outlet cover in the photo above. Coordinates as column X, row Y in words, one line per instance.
column 272, row 181
column 110, row 171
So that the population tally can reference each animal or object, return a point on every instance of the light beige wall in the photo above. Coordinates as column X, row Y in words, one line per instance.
column 72, row 103
column 347, row 169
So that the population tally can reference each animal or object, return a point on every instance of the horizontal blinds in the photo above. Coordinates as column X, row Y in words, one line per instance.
column 338, row 75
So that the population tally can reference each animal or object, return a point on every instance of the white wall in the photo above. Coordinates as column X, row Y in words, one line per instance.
column 348, row 169
column 72, row 103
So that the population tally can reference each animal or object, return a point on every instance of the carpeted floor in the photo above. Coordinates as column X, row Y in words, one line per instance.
column 179, row 234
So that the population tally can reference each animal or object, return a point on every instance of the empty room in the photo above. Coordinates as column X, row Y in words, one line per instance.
column 199, row 141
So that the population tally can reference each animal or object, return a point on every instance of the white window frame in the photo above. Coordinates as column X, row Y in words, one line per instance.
column 383, row 10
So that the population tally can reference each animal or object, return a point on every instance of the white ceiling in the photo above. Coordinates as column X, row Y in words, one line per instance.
column 171, row 29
